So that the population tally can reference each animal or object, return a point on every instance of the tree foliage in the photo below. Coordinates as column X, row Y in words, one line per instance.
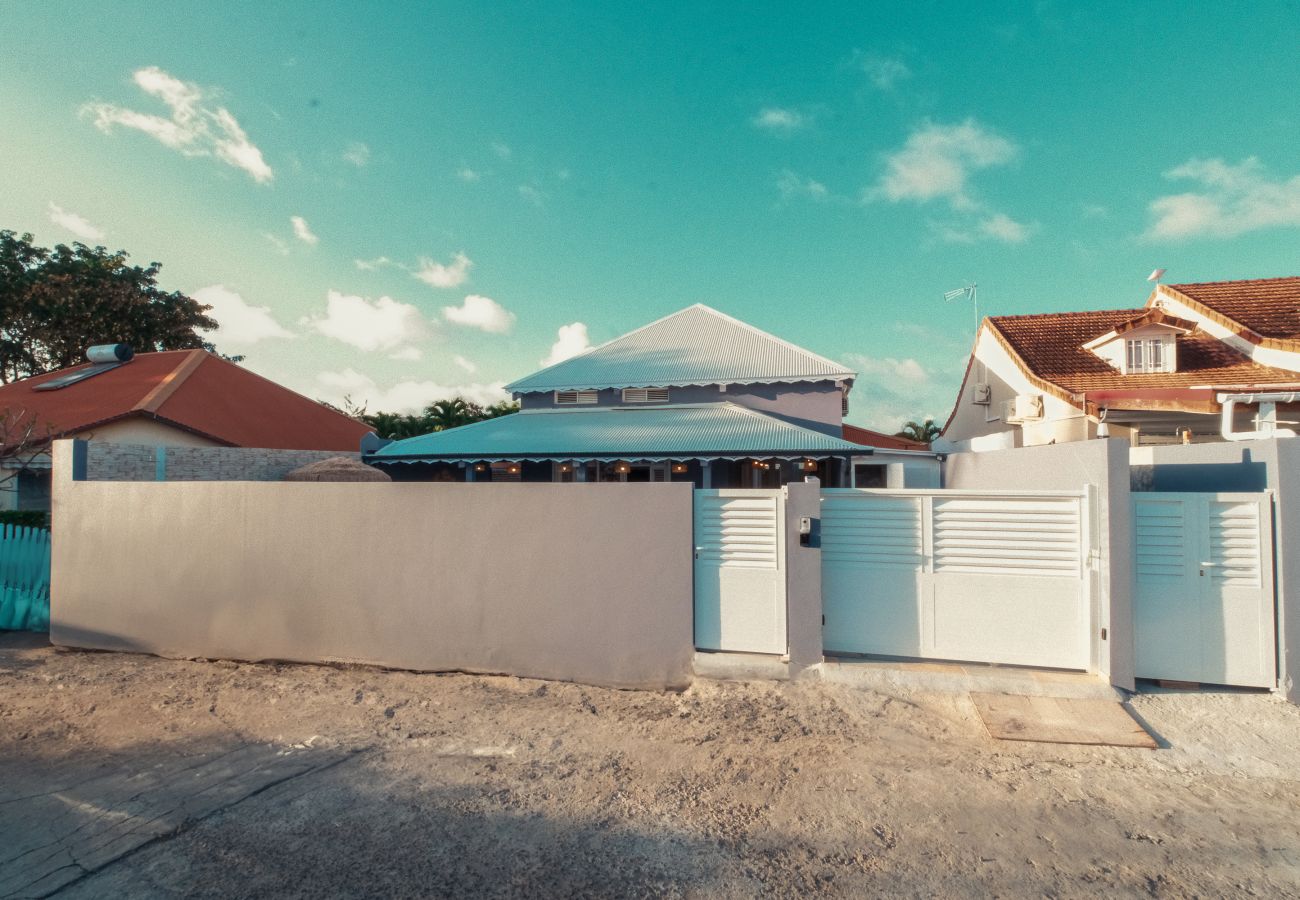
column 437, row 416
column 923, row 432
column 56, row 303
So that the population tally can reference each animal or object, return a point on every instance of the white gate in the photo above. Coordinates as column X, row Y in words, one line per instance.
column 740, row 571
column 959, row 575
column 1204, row 607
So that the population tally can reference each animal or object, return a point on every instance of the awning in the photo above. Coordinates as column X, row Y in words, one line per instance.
column 703, row 431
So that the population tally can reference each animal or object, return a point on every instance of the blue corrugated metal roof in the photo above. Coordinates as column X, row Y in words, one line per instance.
column 697, row 345
column 666, row 432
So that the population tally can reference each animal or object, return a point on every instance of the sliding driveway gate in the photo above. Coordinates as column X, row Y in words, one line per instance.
column 958, row 575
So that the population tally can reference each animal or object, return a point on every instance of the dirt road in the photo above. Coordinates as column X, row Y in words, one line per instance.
column 130, row 776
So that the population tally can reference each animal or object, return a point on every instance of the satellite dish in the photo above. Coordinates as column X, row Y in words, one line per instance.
column 1155, row 275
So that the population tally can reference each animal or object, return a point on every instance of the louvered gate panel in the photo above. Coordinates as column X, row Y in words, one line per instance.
column 1204, row 605
column 988, row 577
column 740, row 571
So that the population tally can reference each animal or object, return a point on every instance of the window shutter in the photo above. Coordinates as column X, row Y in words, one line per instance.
column 575, row 398
column 645, row 395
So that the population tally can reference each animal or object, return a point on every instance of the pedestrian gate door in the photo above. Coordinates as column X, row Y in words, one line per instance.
column 958, row 575
column 740, row 571
column 1204, row 606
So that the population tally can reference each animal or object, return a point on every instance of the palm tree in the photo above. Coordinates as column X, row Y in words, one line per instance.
column 921, row 432
column 443, row 414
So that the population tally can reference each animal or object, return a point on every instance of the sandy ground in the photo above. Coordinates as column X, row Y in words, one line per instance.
column 130, row 776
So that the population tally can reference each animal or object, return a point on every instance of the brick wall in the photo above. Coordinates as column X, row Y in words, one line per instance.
column 134, row 462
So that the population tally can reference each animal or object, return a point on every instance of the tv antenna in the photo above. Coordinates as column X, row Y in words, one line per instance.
column 969, row 292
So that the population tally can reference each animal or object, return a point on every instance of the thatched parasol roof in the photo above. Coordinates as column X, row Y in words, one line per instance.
column 337, row 468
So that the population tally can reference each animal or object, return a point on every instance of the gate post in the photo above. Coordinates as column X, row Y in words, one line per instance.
column 803, row 573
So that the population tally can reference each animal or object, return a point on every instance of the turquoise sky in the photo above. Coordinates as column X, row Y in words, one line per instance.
column 825, row 172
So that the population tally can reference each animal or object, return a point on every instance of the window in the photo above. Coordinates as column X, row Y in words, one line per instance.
column 1146, row 355
column 575, row 398
column 645, row 395
column 844, row 404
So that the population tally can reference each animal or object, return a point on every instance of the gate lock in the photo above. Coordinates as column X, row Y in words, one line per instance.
column 810, row 531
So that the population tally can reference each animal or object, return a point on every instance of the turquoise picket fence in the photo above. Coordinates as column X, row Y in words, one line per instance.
column 24, row 578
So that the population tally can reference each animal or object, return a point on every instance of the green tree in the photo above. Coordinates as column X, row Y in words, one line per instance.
column 437, row 416
column 923, row 432
column 56, row 303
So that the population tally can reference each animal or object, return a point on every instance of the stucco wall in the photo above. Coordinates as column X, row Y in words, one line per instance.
column 139, row 430
column 1070, row 467
column 589, row 583
column 814, row 405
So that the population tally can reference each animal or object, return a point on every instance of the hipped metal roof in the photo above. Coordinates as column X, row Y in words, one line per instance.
column 713, row 430
column 697, row 345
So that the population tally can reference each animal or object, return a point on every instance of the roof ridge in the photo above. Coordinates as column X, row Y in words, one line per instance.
column 1135, row 311
column 170, row 383
column 773, row 337
column 1234, row 281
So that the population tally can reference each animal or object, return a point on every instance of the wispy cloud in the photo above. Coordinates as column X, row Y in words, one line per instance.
column 482, row 313
column 466, row 174
column 884, row 72
column 464, row 364
column 385, row 325
column 74, row 223
column 781, row 120
column 369, row 265
column 1230, row 200
column 302, row 231
column 444, row 275
column 407, row 396
column 502, row 150
column 196, row 124
column 792, row 185
column 892, row 390
column 241, row 323
column 358, row 154
column 570, row 340
column 936, row 162
column 532, row 194
column 277, row 242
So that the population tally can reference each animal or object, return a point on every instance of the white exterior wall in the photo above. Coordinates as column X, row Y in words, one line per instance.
column 149, row 432
column 1266, row 356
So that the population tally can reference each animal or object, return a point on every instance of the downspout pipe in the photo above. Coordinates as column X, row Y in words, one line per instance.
column 1266, row 424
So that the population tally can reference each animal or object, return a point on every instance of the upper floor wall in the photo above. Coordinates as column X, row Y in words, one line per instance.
column 815, row 405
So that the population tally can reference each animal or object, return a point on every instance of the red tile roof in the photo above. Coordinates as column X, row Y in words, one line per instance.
column 1270, row 307
column 868, row 438
column 192, row 390
column 1051, row 347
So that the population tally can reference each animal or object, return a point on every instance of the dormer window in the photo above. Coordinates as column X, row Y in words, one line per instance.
column 576, row 398
column 1145, row 355
column 645, row 395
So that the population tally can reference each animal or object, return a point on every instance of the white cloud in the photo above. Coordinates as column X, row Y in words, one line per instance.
column 384, row 324
column 407, row 396
column 480, row 312
column 196, row 126
column 1002, row 227
column 407, row 354
column 1231, row 200
column 358, row 154
column 302, row 231
column 570, row 340
column 502, row 150
column 465, row 173
column 465, row 364
column 936, row 162
column 369, row 265
column 436, row 274
column 277, row 242
column 240, row 323
column 876, row 368
column 791, row 185
column 74, row 223
column 532, row 194
column 883, row 71
column 780, row 120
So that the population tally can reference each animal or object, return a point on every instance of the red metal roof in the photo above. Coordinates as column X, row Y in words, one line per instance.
column 192, row 390
column 868, row 438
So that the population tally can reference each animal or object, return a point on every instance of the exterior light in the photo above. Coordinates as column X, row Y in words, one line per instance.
column 566, row 468
column 679, row 467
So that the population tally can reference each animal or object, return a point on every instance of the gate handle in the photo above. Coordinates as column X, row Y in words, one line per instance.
column 1211, row 565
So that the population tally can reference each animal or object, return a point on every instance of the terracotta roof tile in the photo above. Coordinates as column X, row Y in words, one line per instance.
column 878, row 439
column 193, row 390
column 1270, row 307
column 1050, row 344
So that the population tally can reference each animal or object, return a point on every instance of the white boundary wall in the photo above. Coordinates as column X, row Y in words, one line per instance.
column 589, row 583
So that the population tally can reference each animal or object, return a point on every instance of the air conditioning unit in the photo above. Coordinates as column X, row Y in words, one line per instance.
column 1022, row 408
column 982, row 395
